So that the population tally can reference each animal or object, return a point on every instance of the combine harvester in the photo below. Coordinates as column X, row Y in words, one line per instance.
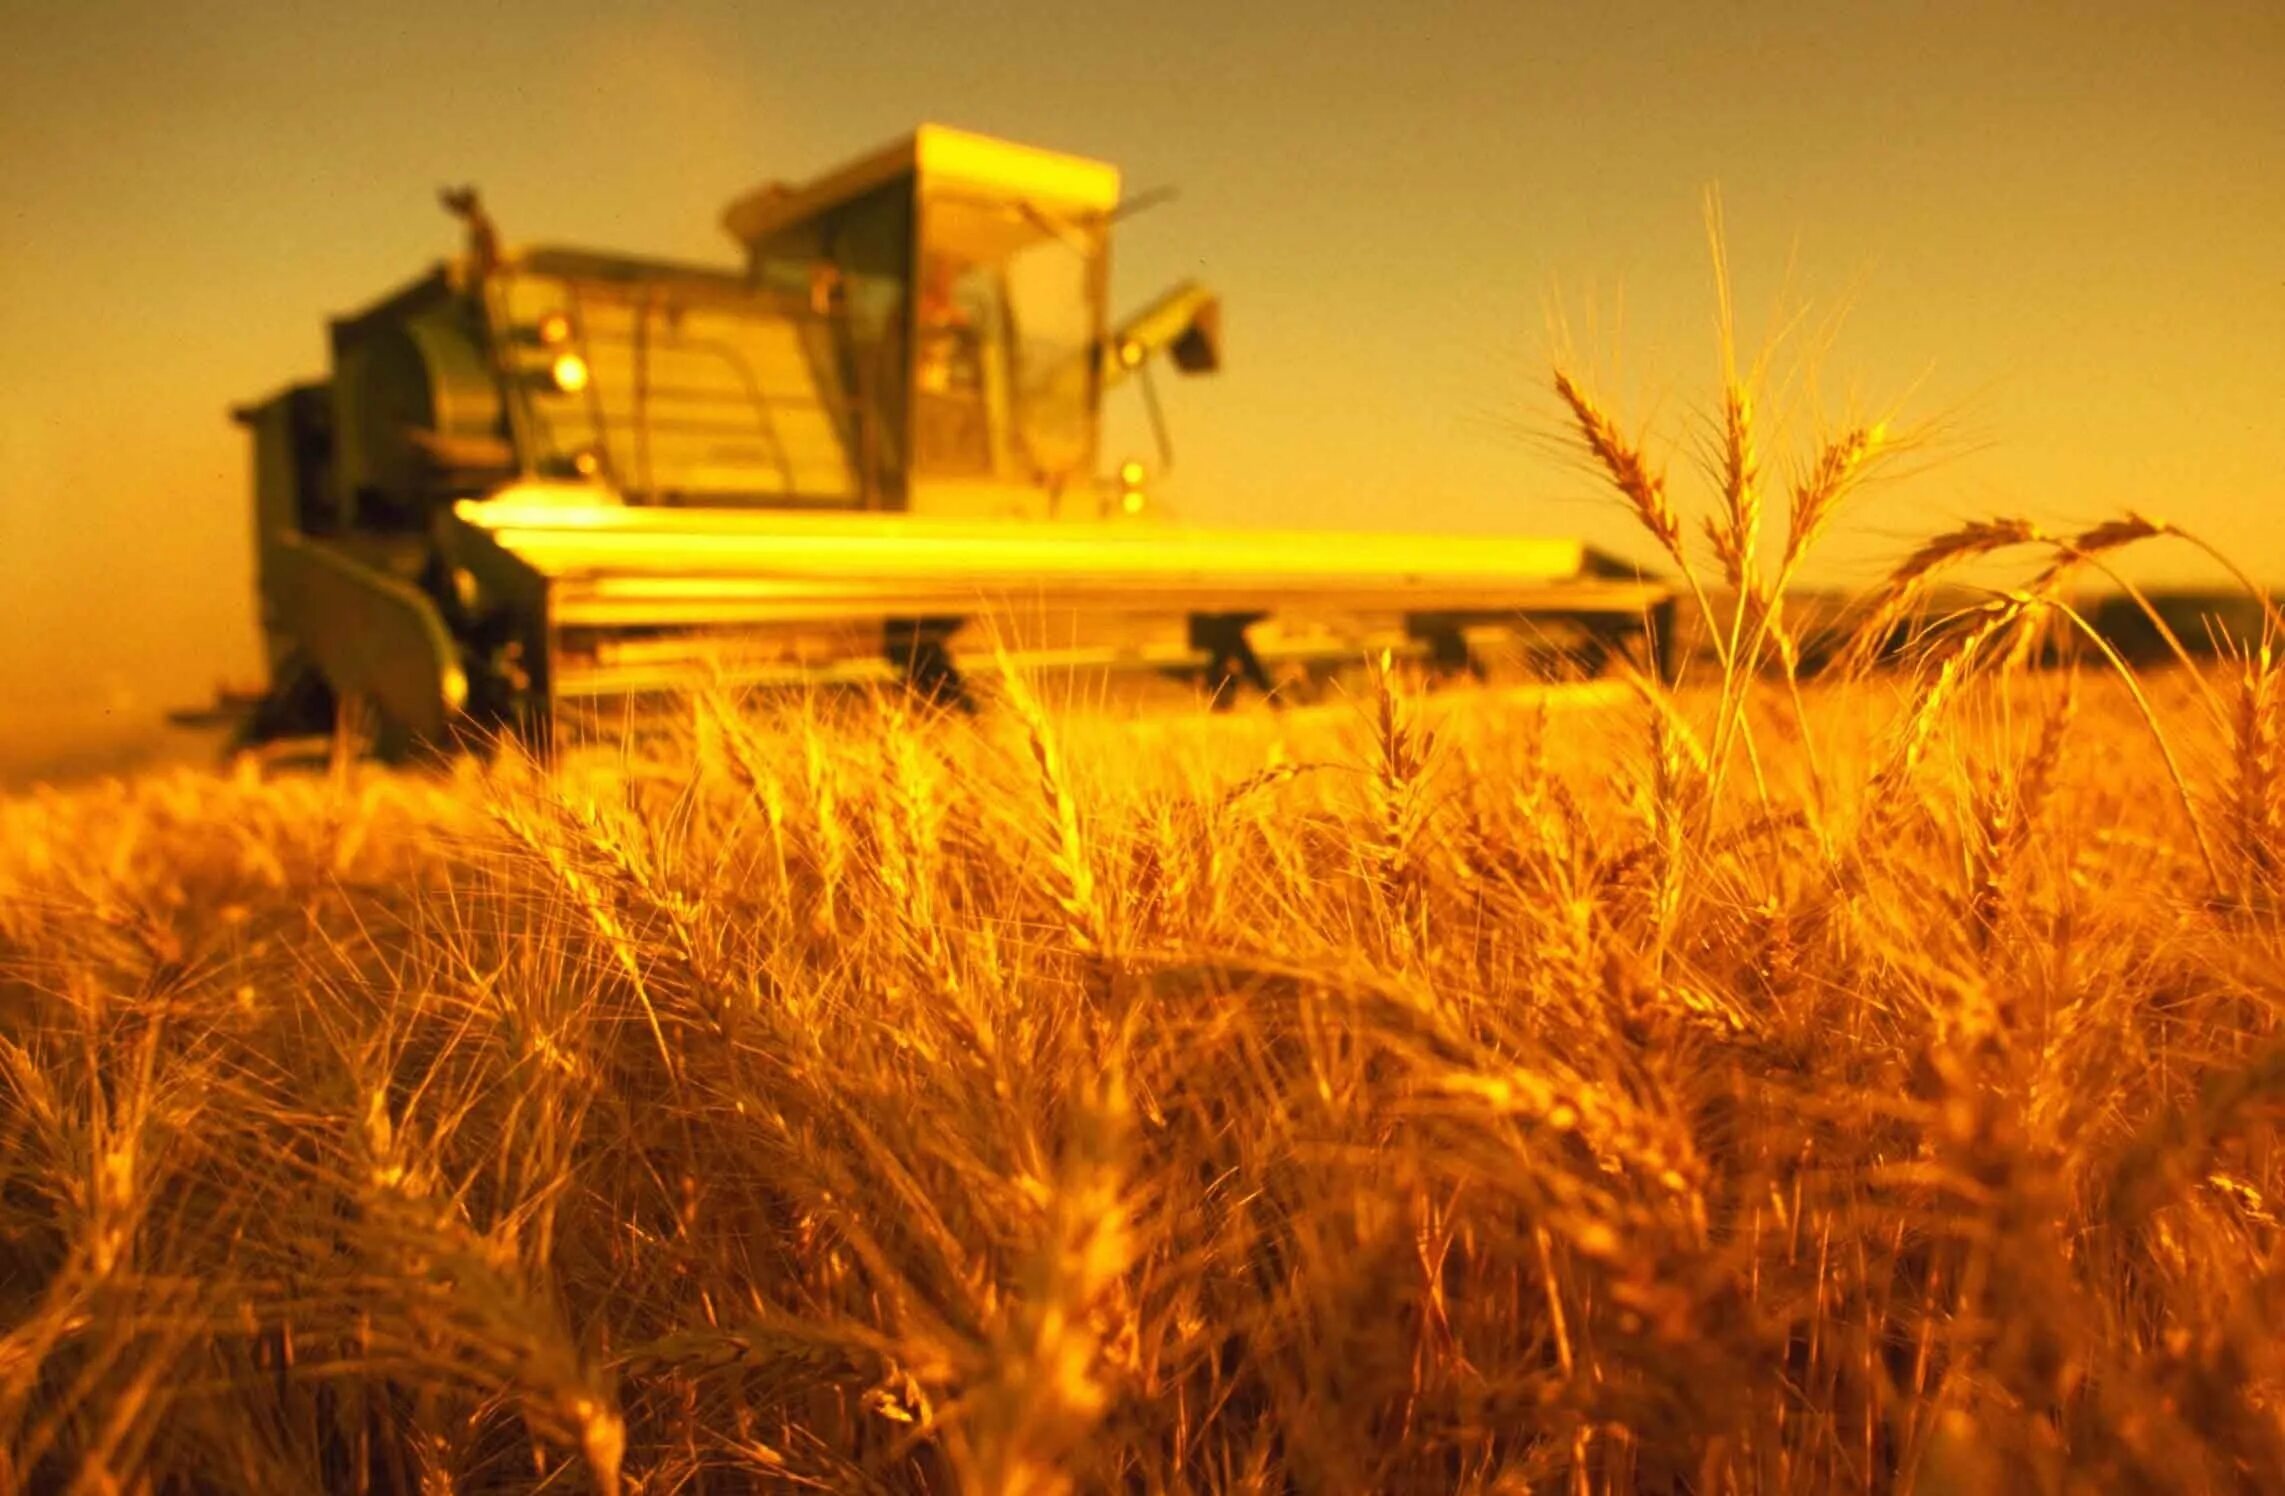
column 544, row 478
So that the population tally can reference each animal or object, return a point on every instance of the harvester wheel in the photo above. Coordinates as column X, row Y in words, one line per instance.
column 921, row 650
column 1594, row 656
column 1230, row 657
column 362, row 728
column 1643, row 644
column 1449, row 658
column 299, row 704
column 1662, row 643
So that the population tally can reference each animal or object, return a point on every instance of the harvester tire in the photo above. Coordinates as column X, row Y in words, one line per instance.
column 363, row 729
column 299, row 704
column 1662, row 650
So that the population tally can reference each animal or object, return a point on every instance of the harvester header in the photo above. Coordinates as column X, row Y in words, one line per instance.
column 540, row 476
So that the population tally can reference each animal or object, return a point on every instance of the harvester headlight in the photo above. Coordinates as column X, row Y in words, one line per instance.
column 1131, row 473
column 1130, row 354
column 586, row 462
column 555, row 328
column 569, row 373
column 1131, row 501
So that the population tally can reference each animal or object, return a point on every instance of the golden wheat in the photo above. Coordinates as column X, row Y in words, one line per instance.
column 1446, row 1092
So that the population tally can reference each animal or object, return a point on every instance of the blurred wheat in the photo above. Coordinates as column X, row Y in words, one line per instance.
column 1449, row 1092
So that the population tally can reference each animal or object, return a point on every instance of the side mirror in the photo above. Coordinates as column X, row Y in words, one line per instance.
column 1186, row 323
column 1199, row 349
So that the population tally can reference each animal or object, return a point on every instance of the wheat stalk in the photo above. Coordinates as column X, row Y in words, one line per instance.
column 1907, row 586
column 1623, row 463
column 1085, row 922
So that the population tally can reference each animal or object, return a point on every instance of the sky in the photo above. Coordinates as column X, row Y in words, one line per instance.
column 2056, row 232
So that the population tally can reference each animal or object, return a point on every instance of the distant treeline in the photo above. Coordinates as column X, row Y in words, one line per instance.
column 2204, row 623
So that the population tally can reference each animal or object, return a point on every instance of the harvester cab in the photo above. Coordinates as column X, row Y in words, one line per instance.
column 961, row 284
column 538, row 478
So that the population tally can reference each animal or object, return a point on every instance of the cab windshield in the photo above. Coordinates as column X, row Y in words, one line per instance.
column 1007, row 307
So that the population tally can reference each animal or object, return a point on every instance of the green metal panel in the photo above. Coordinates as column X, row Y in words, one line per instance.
column 370, row 633
column 290, row 434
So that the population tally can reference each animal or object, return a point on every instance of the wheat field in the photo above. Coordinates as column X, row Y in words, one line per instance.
column 1868, row 1083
